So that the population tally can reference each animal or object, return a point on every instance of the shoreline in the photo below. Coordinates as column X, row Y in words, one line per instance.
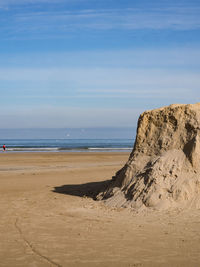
column 70, row 151
column 67, row 152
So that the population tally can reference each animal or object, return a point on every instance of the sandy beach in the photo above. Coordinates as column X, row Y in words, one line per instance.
column 48, row 217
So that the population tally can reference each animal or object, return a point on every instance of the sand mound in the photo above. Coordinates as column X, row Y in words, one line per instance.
column 163, row 169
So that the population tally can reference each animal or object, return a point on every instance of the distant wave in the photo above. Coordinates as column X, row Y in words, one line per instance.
column 110, row 148
column 33, row 148
column 43, row 149
column 67, row 145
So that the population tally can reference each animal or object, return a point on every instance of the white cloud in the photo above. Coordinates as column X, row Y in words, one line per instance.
column 138, row 58
column 120, row 79
column 92, row 96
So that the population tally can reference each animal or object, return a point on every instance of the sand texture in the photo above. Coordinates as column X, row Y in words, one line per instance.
column 163, row 170
column 48, row 217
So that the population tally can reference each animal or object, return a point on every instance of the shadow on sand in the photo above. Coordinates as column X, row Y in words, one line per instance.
column 90, row 190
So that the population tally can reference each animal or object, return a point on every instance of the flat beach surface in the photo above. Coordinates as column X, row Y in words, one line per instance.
column 48, row 217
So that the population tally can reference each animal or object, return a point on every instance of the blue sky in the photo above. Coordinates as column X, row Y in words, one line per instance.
column 89, row 63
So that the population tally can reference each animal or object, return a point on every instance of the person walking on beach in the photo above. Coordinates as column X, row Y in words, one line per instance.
column 4, row 147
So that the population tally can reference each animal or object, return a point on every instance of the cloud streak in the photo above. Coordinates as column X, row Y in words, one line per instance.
column 41, row 24
column 125, row 19
column 178, row 58
column 81, row 83
column 33, row 2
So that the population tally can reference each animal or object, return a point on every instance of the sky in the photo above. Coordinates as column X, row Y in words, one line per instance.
column 95, row 63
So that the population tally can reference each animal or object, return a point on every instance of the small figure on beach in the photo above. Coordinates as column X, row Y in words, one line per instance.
column 4, row 147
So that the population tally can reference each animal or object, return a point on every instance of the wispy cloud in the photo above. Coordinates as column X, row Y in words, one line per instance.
column 55, row 23
column 129, row 19
column 181, row 58
column 21, row 2
column 98, row 83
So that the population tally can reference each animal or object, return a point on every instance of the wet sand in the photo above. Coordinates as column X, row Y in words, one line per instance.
column 48, row 217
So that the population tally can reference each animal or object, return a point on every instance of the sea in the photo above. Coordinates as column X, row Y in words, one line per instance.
column 68, row 140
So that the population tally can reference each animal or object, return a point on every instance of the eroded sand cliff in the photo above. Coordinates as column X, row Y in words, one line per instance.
column 163, row 169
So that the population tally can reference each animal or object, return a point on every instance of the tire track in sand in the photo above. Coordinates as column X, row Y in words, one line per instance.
column 34, row 250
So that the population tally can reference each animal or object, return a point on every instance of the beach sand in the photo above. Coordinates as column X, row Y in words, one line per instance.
column 49, row 219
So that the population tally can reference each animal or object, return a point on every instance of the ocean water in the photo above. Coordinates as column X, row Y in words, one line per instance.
column 68, row 139
column 64, row 145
